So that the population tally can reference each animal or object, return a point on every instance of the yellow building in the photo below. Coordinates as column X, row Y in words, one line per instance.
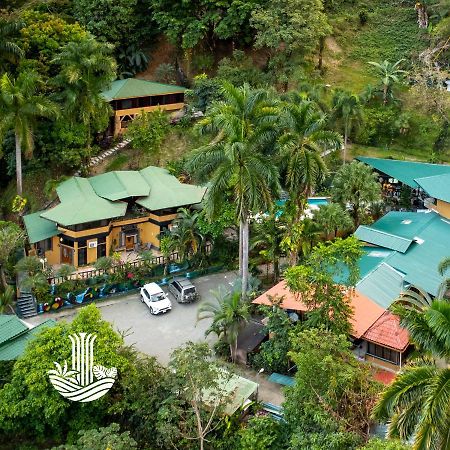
column 132, row 96
column 121, row 210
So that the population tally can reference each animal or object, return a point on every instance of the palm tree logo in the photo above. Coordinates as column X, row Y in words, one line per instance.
column 84, row 382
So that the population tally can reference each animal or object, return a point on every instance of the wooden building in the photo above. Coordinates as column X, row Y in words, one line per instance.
column 131, row 96
column 114, row 211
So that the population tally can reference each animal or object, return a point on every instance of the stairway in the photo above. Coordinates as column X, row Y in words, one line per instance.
column 26, row 306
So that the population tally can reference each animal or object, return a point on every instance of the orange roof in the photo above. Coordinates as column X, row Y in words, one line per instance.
column 365, row 311
column 386, row 331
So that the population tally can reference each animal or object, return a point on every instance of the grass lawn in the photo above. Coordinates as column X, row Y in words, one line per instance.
column 396, row 153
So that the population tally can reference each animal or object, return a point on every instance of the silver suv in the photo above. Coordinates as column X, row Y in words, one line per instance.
column 183, row 290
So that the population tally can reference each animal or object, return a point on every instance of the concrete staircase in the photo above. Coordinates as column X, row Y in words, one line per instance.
column 95, row 160
column 26, row 305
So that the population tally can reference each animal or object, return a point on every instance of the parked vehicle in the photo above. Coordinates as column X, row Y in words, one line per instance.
column 183, row 290
column 155, row 298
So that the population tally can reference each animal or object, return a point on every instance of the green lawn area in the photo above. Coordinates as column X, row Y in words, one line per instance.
column 396, row 153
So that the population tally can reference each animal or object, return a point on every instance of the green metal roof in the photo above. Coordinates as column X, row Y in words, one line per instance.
column 371, row 258
column 120, row 184
column 80, row 204
column 10, row 327
column 382, row 285
column 39, row 228
column 405, row 171
column 429, row 235
column 167, row 192
column 382, row 239
column 14, row 348
column 134, row 87
column 420, row 262
column 437, row 186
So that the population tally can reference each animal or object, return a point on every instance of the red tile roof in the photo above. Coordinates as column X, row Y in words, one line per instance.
column 365, row 311
column 386, row 331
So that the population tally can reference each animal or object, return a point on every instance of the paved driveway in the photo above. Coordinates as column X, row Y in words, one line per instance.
column 156, row 335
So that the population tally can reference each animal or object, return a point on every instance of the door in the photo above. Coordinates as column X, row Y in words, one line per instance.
column 129, row 242
column 66, row 255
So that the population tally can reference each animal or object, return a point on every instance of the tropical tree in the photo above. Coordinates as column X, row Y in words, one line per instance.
column 355, row 186
column 301, row 147
column 347, row 108
column 416, row 405
column 267, row 236
column 228, row 313
column 332, row 218
column 7, row 299
column 11, row 238
column 389, row 74
column 242, row 125
column 21, row 105
column 443, row 268
column 86, row 69
column 185, row 232
column 9, row 50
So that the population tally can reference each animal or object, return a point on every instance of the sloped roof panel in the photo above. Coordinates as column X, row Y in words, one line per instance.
column 14, row 348
column 134, row 87
column 405, row 171
column 10, row 327
column 386, row 331
column 376, row 237
column 167, row 192
column 383, row 285
column 39, row 228
column 118, row 185
column 80, row 204
column 437, row 186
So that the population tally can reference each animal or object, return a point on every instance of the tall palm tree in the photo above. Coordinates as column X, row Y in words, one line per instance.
column 389, row 74
column 242, row 125
column 332, row 218
column 301, row 146
column 347, row 107
column 189, row 240
column 355, row 186
column 21, row 105
column 86, row 69
column 444, row 267
column 9, row 50
column 228, row 313
column 417, row 403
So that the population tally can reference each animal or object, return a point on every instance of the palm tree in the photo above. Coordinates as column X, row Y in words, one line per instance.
column 389, row 74
column 356, row 186
column 417, row 403
column 11, row 238
column 86, row 69
column 21, row 105
column 268, row 235
column 228, row 314
column 189, row 240
column 347, row 107
column 310, row 236
column 300, row 150
column 332, row 218
column 242, row 125
column 9, row 50
column 443, row 267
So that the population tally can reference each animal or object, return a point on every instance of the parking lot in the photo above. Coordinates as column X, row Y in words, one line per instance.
column 156, row 335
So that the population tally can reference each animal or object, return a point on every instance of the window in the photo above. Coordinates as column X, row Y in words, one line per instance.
column 67, row 242
column 383, row 353
column 126, row 104
column 82, row 256
column 101, row 247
